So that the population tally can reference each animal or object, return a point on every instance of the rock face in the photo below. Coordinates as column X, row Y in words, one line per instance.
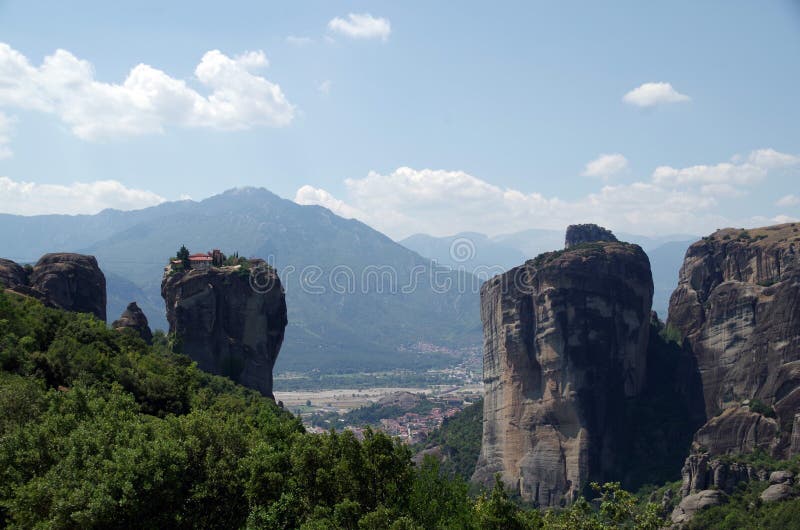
column 72, row 282
column 701, row 472
column 695, row 502
column 565, row 339
column 577, row 234
column 12, row 274
column 230, row 322
column 737, row 307
column 134, row 318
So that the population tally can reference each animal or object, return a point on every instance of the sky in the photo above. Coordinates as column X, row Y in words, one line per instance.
column 647, row 117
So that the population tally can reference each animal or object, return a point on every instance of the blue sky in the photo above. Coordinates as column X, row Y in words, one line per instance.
column 422, row 117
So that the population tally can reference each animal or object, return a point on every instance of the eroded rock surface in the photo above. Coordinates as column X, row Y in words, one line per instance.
column 695, row 502
column 72, row 282
column 577, row 234
column 227, row 325
column 133, row 318
column 737, row 306
column 565, row 340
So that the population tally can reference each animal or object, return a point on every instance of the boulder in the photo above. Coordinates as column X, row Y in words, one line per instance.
column 777, row 492
column 781, row 477
column 695, row 502
column 133, row 318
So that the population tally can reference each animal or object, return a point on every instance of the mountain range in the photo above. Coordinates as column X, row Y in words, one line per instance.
column 357, row 300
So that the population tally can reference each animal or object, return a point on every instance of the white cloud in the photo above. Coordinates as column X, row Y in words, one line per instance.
column 325, row 87
column 726, row 178
column 781, row 219
column 445, row 202
column 5, row 136
column 788, row 200
column 772, row 159
column 361, row 26
column 652, row 94
column 723, row 173
column 148, row 100
column 30, row 198
column 721, row 190
column 309, row 195
column 299, row 41
column 605, row 166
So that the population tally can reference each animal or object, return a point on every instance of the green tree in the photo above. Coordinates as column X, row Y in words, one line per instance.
column 183, row 255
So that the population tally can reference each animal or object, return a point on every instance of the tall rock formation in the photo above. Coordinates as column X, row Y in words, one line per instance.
column 737, row 307
column 229, row 321
column 565, row 345
column 72, row 282
column 133, row 318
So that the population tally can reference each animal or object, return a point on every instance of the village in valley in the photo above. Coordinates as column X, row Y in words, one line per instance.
column 409, row 413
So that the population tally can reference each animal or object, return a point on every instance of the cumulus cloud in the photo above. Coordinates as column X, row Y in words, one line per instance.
column 5, row 136
column 772, row 159
column 148, row 100
column 788, row 200
column 30, row 198
column 605, row 166
column 727, row 177
column 444, row 202
column 652, row 94
column 309, row 195
column 361, row 26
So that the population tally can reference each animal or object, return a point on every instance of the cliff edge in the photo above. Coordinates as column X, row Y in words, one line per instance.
column 737, row 309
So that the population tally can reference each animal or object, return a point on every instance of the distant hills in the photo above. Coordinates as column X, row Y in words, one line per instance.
column 357, row 300
column 350, row 305
column 475, row 252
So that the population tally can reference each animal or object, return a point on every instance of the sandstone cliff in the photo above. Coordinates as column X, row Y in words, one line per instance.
column 133, row 318
column 229, row 323
column 72, row 282
column 565, row 345
column 737, row 307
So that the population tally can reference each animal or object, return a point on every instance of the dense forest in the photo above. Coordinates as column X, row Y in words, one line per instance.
column 100, row 430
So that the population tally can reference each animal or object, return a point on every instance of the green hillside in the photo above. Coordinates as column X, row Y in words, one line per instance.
column 99, row 430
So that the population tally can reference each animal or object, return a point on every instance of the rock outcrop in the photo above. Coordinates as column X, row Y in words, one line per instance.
column 12, row 274
column 780, row 487
column 133, row 318
column 72, row 282
column 565, row 342
column 231, row 322
column 695, row 502
column 577, row 234
column 701, row 472
column 737, row 308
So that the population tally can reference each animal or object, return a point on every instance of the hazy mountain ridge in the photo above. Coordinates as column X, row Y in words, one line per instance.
column 360, row 329
column 505, row 251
